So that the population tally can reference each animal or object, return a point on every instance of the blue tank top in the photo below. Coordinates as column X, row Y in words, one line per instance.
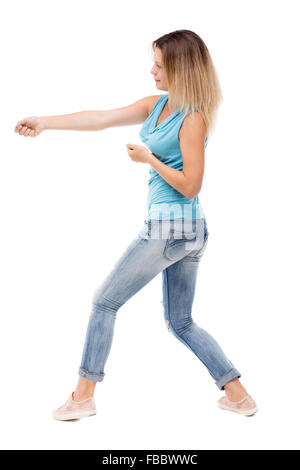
column 164, row 201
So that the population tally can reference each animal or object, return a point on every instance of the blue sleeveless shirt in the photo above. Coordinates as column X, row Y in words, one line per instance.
column 164, row 201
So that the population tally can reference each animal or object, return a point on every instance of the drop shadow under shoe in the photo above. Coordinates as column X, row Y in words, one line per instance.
column 246, row 406
column 75, row 409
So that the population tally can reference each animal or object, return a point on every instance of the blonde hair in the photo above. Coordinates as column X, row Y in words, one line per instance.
column 193, row 83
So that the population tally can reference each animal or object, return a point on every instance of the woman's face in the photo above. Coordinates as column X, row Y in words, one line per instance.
column 158, row 71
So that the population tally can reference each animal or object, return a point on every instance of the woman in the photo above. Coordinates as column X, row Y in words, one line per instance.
column 174, row 235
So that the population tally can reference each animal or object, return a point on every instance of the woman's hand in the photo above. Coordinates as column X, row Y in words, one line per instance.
column 30, row 126
column 138, row 153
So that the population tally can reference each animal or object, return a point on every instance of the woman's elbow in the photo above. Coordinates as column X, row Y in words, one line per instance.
column 191, row 195
column 193, row 192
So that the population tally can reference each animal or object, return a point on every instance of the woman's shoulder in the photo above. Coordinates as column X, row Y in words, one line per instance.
column 193, row 125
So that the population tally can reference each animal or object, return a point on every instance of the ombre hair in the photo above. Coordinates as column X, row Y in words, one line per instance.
column 193, row 83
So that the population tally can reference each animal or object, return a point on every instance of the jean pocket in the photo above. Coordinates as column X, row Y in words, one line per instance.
column 197, row 254
column 178, row 244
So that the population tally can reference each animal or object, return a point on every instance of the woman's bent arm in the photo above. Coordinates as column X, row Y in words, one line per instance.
column 192, row 146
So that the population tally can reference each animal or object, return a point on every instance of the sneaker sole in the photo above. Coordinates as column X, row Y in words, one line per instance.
column 241, row 412
column 78, row 415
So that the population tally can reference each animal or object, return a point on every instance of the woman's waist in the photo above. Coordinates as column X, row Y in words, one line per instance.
column 176, row 210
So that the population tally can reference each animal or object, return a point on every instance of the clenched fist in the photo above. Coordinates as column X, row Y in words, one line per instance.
column 138, row 153
column 30, row 126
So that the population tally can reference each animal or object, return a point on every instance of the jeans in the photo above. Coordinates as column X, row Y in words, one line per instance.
column 174, row 248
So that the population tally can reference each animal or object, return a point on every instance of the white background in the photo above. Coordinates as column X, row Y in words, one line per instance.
column 71, row 202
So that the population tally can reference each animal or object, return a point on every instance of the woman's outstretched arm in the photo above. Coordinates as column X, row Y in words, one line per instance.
column 135, row 113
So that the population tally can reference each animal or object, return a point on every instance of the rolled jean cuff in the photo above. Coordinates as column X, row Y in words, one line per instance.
column 230, row 375
column 91, row 375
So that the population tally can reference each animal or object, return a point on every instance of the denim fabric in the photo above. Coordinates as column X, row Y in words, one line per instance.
column 173, row 248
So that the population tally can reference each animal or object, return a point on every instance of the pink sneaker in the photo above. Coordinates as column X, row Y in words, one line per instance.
column 246, row 406
column 75, row 409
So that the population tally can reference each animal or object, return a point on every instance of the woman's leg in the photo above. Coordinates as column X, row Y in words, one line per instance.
column 84, row 389
column 179, row 282
column 140, row 263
